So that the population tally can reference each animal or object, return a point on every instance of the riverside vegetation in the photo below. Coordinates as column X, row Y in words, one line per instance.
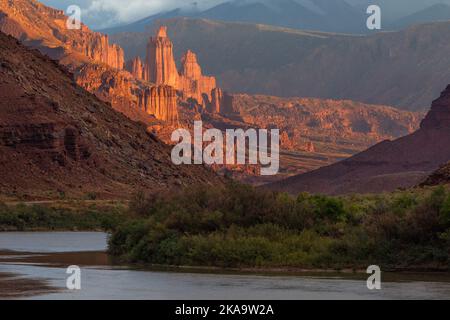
column 70, row 215
column 239, row 226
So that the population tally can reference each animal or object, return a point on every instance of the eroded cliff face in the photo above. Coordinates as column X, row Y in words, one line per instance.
column 161, row 101
column 160, row 68
column 160, row 64
column 193, row 83
column 30, row 20
column 136, row 68
column 326, row 126
column 96, row 47
column 57, row 138
column 131, row 96
column 98, row 66
column 217, row 100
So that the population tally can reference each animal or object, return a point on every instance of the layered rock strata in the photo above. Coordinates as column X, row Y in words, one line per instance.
column 98, row 66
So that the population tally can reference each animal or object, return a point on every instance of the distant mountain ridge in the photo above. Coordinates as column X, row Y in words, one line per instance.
column 337, row 16
column 323, row 15
column 437, row 12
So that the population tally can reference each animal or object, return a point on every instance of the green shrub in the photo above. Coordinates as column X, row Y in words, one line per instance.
column 36, row 217
column 242, row 226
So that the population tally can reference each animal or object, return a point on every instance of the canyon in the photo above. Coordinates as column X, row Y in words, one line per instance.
column 153, row 89
column 57, row 140
column 144, row 90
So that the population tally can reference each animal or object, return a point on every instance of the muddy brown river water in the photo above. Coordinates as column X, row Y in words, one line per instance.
column 33, row 266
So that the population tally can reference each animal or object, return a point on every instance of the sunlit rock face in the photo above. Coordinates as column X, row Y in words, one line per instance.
column 97, row 65
column 388, row 165
column 30, row 21
column 193, row 83
column 160, row 68
column 161, row 101
column 160, row 63
column 136, row 68
column 96, row 47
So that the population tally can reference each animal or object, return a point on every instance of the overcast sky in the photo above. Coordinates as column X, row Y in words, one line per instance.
column 106, row 13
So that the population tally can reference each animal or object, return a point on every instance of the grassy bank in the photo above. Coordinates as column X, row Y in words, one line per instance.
column 242, row 227
column 62, row 216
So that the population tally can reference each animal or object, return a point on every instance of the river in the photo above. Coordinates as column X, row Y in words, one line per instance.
column 33, row 266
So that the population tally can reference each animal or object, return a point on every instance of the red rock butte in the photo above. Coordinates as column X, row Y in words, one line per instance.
column 160, row 68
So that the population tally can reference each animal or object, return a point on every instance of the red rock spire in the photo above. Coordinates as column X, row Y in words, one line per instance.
column 160, row 63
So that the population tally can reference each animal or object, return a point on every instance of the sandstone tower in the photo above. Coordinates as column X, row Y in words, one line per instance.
column 160, row 63
column 188, row 82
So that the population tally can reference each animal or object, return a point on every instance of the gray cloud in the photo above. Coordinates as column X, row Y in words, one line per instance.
column 106, row 13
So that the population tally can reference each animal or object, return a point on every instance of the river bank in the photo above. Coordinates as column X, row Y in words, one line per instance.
column 246, row 229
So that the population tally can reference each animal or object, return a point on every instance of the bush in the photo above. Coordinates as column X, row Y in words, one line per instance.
column 23, row 218
column 242, row 226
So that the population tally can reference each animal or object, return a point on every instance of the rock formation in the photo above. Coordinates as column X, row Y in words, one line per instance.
column 160, row 63
column 439, row 116
column 160, row 68
column 285, row 141
column 161, row 101
column 309, row 147
column 96, row 47
column 193, row 84
column 128, row 94
column 217, row 101
column 30, row 20
column 57, row 138
column 274, row 61
column 439, row 177
column 97, row 65
column 136, row 68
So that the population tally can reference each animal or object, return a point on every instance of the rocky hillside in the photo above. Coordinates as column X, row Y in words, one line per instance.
column 56, row 139
column 326, row 125
column 438, row 177
column 405, row 69
column 316, row 132
column 389, row 165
